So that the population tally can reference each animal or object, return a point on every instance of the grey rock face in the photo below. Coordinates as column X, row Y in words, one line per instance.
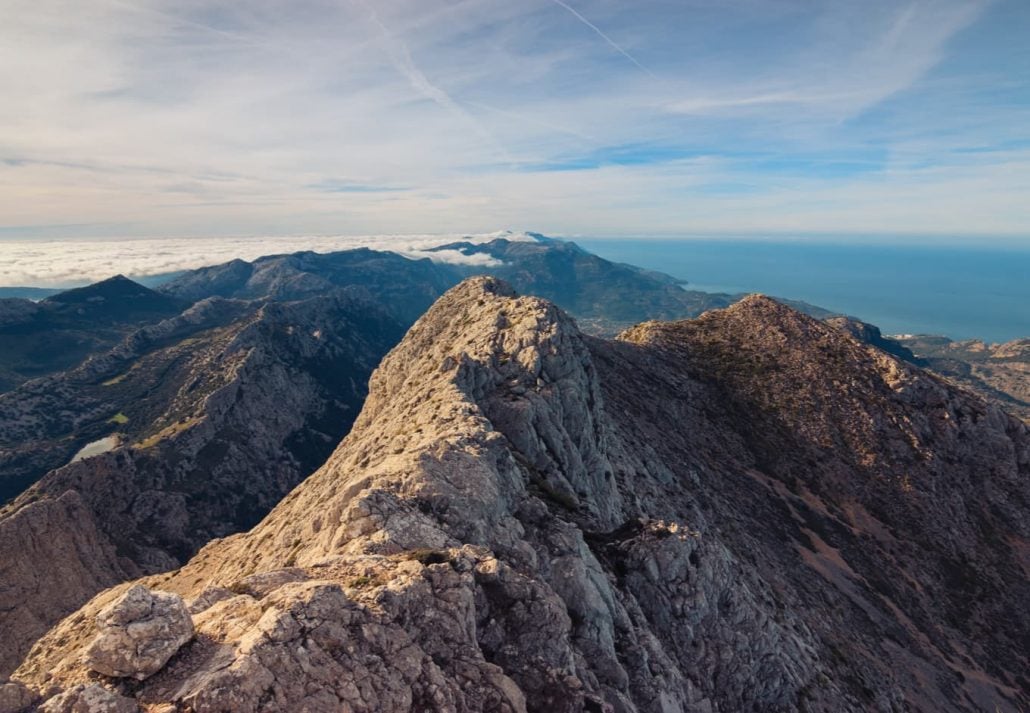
column 16, row 697
column 91, row 698
column 52, row 554
column 751, row 511
column 138, row 633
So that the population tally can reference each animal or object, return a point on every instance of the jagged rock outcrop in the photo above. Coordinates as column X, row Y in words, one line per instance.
column 747, row 511
column 224, row 409
column 138, row 633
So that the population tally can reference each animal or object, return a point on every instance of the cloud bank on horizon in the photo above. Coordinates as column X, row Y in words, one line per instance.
column 211, row 117
column 75, row 262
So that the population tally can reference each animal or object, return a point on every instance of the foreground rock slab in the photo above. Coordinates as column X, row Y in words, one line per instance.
column 138, row 633
column 89, row 699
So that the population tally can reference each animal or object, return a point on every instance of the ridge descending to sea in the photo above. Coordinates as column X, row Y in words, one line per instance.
column 963, row 292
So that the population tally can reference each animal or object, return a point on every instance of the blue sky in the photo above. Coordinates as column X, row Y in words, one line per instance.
column 577, row 117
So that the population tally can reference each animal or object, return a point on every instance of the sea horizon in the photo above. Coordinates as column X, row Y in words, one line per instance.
column 961, row 288
column 957, row 290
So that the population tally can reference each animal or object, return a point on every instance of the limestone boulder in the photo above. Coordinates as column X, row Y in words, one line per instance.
column 16, row 697
column 138, row 633
column 92, row 698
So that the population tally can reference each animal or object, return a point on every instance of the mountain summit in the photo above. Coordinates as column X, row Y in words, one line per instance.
column 747, row 511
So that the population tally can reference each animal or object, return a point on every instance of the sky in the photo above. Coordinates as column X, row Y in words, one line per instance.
column 137, row 118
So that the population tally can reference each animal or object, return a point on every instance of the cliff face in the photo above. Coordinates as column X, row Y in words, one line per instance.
column 221, row 412
column 748, row 511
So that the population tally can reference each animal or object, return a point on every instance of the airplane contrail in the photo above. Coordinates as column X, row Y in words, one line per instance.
column 405, row 64
column 604, row 37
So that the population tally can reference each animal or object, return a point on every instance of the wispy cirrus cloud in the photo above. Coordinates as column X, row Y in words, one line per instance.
column 145, row 117
column 600, row 33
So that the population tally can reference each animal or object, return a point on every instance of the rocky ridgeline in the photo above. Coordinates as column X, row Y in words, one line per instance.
column 748, row 511
column 45, row 421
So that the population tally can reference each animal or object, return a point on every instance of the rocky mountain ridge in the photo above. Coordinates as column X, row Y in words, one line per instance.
column 748, row 511
column 217, row 413
column 58, row 332
column 605, row 296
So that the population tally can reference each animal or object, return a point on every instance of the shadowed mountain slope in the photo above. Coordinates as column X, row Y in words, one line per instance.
column 747, row 511
column 213, row 416
column 39, row 338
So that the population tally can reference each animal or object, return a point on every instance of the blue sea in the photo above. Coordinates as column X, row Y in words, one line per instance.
column 960, row 291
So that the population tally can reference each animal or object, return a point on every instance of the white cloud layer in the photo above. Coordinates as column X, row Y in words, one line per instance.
column 66, row 263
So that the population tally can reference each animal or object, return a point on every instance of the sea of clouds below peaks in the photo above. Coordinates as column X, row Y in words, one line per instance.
column 72, row 262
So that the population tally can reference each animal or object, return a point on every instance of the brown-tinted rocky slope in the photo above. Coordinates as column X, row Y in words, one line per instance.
column 221, row 412
column 747, row 511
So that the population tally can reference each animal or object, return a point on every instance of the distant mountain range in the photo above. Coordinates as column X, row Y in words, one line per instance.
column 605, row 296
column 58, row 332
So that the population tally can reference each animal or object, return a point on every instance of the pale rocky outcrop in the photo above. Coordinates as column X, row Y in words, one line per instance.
column 52, row 555
column 748, row 511
column 138, row 633
column 92, row 698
